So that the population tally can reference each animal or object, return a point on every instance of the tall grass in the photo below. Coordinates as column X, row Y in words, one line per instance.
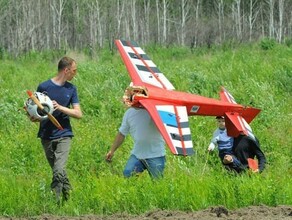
column 262, row 78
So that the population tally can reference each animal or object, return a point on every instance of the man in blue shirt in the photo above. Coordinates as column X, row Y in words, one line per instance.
column 56, row 143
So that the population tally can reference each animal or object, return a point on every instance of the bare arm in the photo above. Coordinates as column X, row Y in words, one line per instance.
column 117, row 143
column 74, row 112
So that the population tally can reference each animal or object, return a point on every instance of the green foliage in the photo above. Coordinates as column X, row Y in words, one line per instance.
column 288, row 42
column 2, row 53
column 267, row 43
column 261, row 78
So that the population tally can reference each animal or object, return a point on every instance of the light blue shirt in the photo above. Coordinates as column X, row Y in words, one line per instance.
column 223, row 141
column 148, row 142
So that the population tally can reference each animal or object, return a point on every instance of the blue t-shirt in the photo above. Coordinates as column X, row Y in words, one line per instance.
column 65, row 95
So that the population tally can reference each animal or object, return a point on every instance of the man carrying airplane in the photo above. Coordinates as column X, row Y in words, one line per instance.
column 148, row 152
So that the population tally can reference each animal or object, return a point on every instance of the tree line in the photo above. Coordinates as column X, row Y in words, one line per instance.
column 39, row 25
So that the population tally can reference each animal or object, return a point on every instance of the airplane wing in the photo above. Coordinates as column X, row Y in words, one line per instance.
column 172, row 122
column 140, row 67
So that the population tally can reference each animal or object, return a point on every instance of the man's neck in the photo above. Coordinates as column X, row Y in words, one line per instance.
column 59, row 79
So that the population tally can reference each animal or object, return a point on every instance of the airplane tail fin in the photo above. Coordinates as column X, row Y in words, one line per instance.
column 237, row 123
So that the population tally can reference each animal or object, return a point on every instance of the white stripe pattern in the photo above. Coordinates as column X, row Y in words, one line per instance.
column 147, row 77
column 183, row 117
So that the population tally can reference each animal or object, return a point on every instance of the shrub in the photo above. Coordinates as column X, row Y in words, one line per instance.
column 267, row 43
column 288, row 42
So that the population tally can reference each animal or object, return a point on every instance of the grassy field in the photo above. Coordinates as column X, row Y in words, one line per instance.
column 261, row 78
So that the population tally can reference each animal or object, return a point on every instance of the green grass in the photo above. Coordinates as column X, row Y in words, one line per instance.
column 262, row 78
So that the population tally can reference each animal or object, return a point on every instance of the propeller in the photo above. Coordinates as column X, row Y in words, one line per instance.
column 41, row 107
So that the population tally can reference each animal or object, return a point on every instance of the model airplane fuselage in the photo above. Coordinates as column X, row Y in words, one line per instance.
column 195, row 104
column 170, row 109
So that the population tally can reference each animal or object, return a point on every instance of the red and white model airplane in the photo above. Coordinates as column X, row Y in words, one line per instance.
column 170, row 109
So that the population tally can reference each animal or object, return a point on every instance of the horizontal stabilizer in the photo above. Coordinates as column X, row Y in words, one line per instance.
column 248, row 113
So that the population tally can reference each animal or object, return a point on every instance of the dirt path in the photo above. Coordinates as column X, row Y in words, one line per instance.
column 212, row 213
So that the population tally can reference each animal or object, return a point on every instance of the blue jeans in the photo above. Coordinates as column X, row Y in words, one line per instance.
column 154, row 166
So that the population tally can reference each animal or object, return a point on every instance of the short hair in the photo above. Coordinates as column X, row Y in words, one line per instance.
column 65, row 62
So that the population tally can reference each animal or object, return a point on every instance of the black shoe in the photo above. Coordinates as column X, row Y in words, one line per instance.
column 66, row 194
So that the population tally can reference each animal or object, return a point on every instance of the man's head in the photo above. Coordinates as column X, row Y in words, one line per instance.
column 68, row 66
column 221, row 122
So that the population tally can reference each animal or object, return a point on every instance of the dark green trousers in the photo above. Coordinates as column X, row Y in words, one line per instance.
column 57, row 152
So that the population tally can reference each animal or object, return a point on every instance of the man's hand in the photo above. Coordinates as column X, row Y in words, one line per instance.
column 33, row 119
column 211, row 147
column 227, row 159
column 109, row 156
column 56, row 105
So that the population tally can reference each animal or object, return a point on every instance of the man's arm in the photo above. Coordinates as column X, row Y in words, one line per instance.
column 255, row 150
column 117, row 143
column 260, row 156
column 74, row 112
column 214, row 141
